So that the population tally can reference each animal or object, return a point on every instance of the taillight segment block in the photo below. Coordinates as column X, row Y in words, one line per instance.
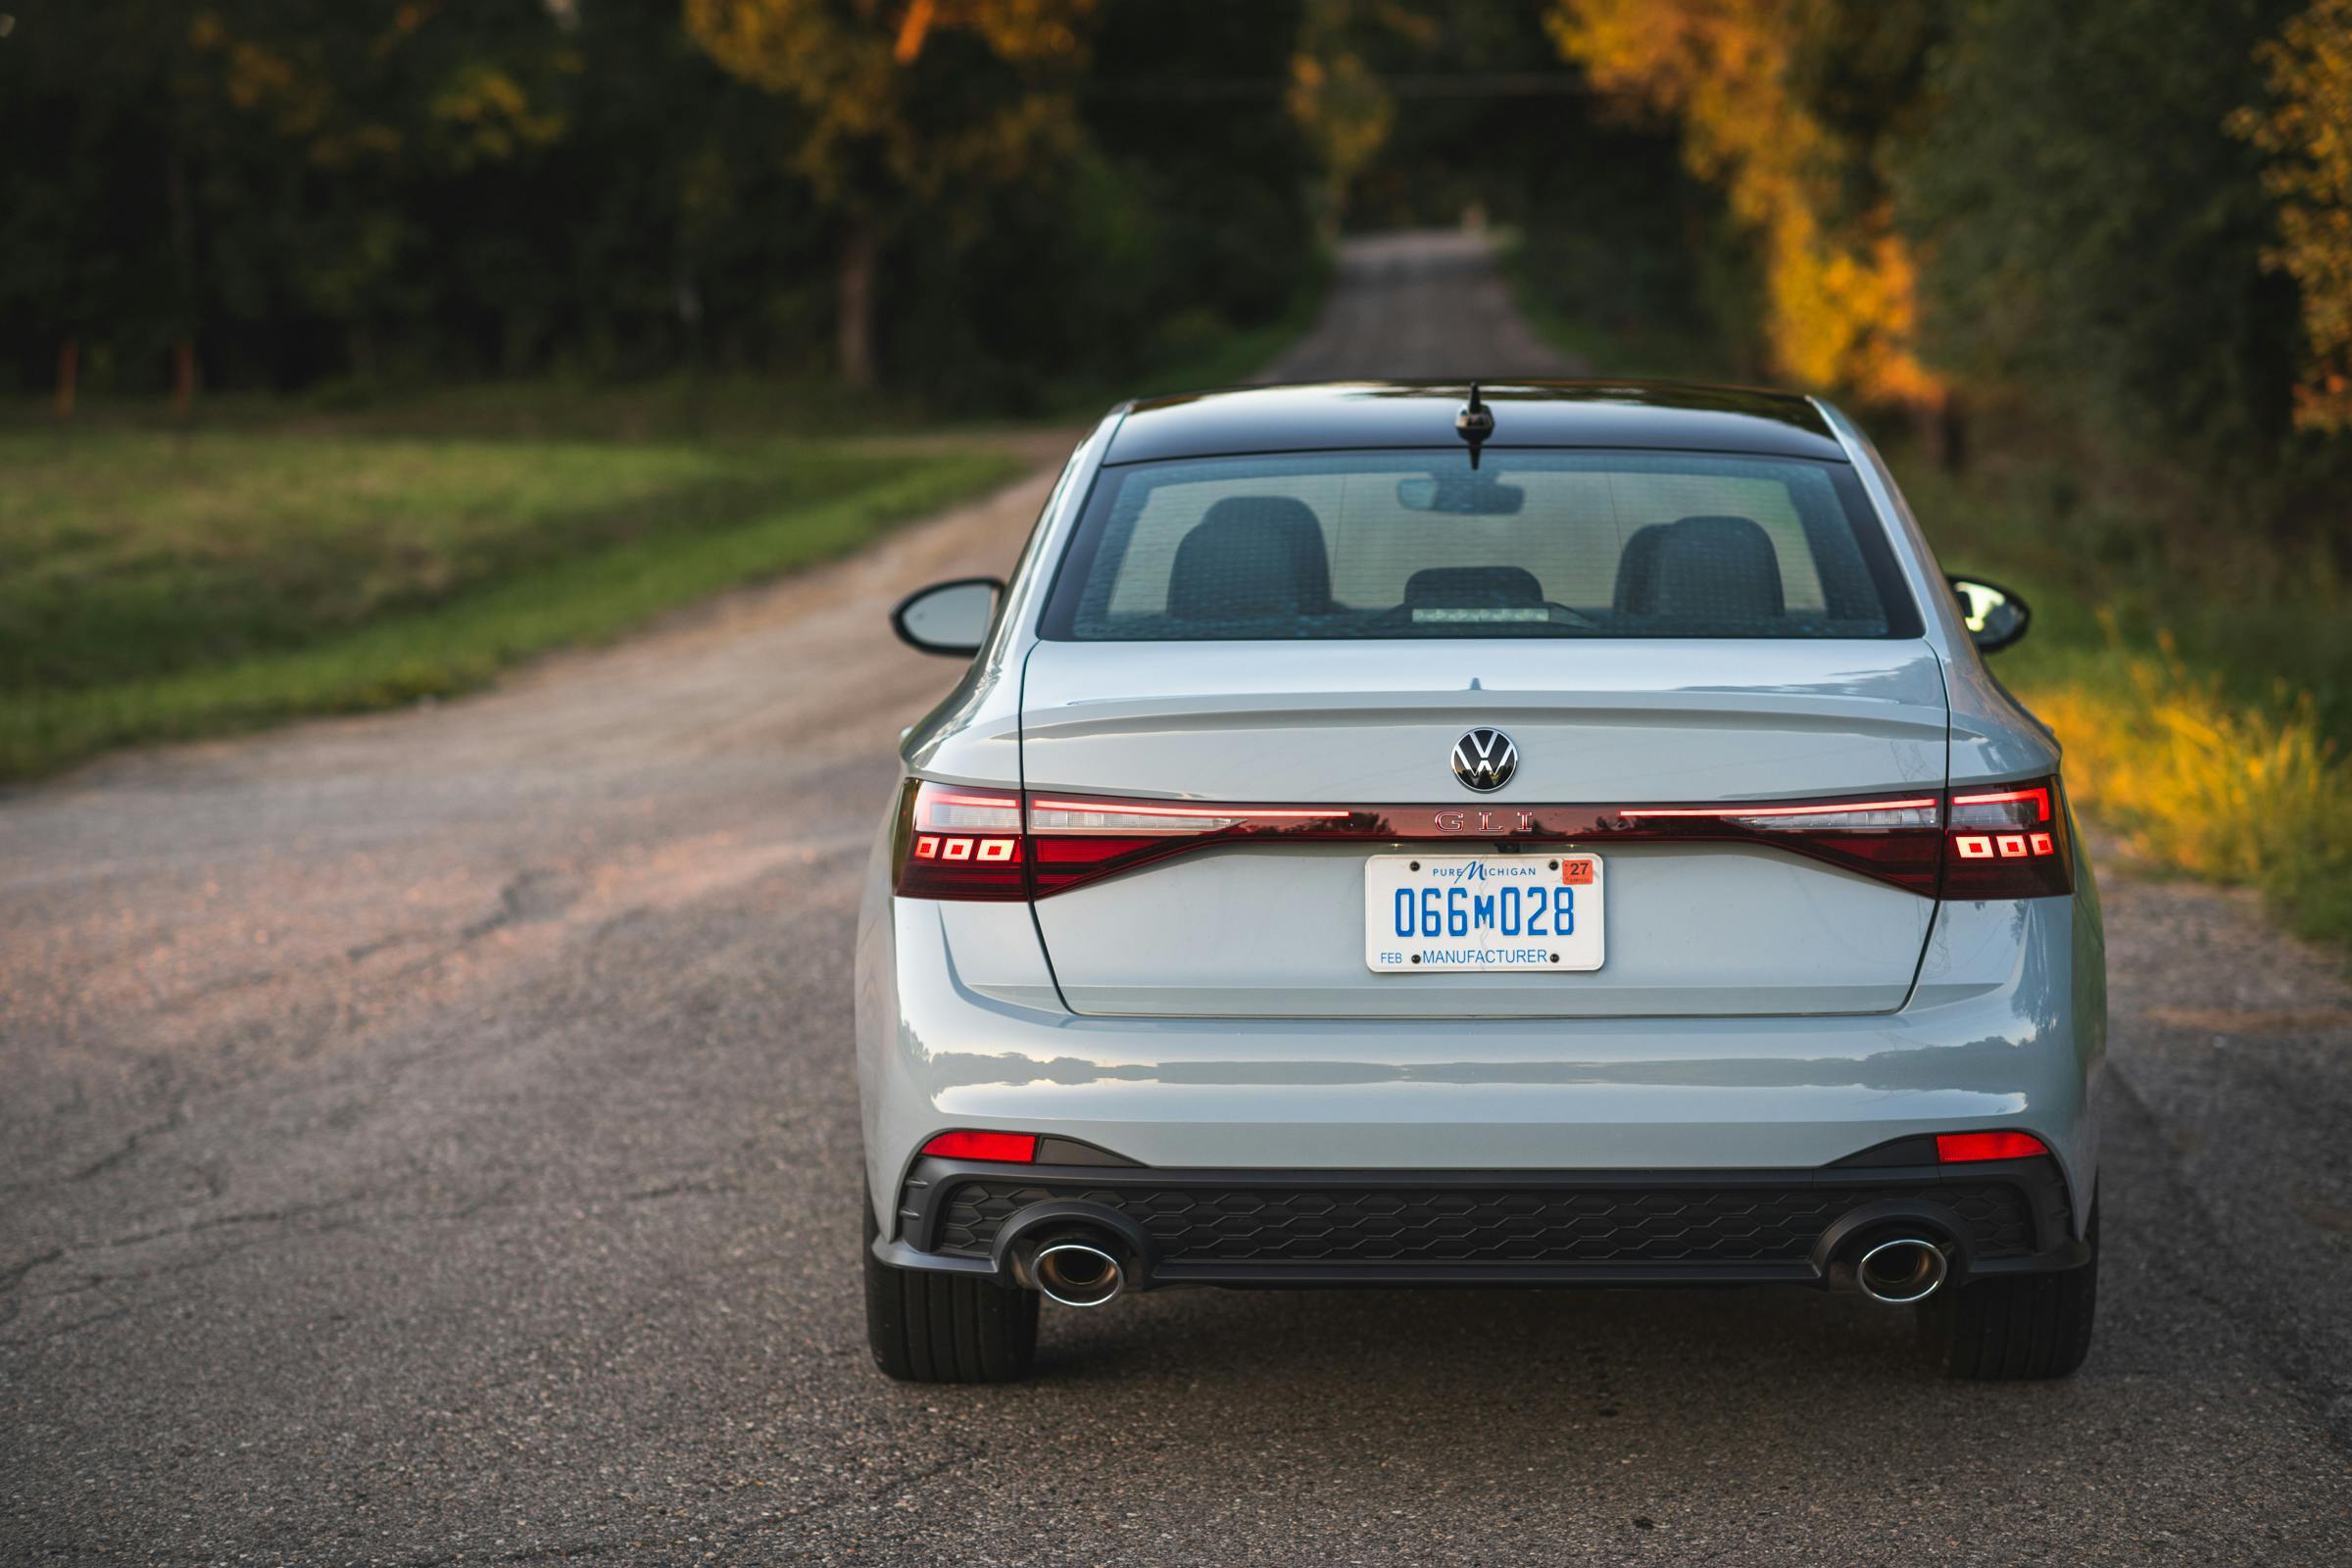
column 957, row 842
column 2007, row 843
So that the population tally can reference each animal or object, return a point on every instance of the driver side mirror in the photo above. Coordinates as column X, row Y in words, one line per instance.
column 1995, row 615
column 948, row 617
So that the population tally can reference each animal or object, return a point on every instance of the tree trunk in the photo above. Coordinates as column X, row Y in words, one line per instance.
column 183, row 267
column 1952, row 437
column 853, row 303
column 183, row 376
column 1940, row 423
column 69, row 375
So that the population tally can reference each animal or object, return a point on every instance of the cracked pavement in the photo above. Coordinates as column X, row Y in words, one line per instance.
column 431, row 1138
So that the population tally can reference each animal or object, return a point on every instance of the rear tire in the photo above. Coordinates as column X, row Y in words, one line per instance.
column 945, row 1328
column 2018, row 1327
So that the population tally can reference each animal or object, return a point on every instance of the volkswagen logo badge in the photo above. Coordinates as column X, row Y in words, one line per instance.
column 1485, row 759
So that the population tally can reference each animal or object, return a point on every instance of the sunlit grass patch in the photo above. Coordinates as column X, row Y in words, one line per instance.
column 2185, row 777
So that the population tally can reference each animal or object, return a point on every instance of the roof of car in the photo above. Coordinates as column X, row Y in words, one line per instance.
column 1332, row 416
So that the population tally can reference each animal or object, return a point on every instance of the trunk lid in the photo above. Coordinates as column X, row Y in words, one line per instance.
column 1278, row 930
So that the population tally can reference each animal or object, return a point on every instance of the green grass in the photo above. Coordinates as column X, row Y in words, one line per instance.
column 690, row 409
column 159, row 585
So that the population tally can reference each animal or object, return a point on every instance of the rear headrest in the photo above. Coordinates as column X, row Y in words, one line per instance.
column 1718, row 569
column 1473, row 587
column 1250, row 556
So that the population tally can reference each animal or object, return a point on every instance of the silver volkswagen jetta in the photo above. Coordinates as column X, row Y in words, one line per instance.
column 1543, row 834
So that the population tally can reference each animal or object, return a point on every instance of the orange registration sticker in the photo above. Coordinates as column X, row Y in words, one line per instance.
column 1576, row 873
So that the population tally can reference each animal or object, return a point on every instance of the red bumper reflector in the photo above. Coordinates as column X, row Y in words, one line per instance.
column 1956, row 1148
column 1018, row 1149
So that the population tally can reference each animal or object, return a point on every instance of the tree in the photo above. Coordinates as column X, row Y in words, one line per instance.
column 86, row 268
column 1338, row 99
column 906, row 103
column 1839, row 281
column 2307, row 132
column 2093, row 237
column 332, row 140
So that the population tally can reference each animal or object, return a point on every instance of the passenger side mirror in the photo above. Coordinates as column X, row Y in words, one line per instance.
column 948, row 617
column 1995, row 615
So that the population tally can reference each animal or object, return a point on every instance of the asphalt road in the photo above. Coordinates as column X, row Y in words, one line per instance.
column 431, row 1138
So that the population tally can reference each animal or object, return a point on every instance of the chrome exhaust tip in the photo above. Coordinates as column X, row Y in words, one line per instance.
column 1901, row 1270
column 1077, row 1273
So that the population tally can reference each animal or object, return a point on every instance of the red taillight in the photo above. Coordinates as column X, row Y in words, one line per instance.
column 971, row 842
column 1015, row 1149
column 2007, row 842
column 1075, row 839
column 955, row 841
column 1959, row 1149
column 1894, row 838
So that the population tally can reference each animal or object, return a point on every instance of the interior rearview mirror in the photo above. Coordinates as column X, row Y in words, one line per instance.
column 948, row 617
column 1995, row 615
column 1462, row 495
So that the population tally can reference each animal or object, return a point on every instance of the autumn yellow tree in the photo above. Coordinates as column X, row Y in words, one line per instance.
column 904, row 101
column 2307, row 132
column 1839, row 287
column 1338, row 99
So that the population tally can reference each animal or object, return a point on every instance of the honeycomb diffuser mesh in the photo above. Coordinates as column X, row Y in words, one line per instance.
column 1469, row 1225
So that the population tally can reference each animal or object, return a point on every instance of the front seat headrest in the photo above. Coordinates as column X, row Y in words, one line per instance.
column 1721, row 571
column 1250, row 557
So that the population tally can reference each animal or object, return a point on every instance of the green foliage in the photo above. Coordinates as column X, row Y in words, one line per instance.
column 2095, row 235
column 1178, row 223
column 161, row 585
column 2304, row 130
column 2264, row 620
column 385, row 196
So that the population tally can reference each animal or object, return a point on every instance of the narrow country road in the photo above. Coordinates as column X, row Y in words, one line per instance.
column 431, row 1138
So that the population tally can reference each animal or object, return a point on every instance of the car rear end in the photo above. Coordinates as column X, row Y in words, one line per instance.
column 1585, row 860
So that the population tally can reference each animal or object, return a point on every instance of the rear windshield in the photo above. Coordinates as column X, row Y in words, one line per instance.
column 1528, row 544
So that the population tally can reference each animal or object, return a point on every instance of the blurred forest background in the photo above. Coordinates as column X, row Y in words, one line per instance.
column 359, row 349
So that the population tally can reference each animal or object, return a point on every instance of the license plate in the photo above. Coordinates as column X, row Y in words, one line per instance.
column 1427, row 914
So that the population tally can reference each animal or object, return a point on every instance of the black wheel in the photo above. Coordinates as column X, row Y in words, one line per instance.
column 945, row 1328
column 2024, row 1326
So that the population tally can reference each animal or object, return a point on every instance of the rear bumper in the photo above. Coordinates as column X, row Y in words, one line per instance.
column 960, row 1026
column 1294, row 1229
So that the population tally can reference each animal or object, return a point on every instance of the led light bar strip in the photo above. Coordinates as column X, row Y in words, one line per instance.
column 1749, row 814
column 1127, row 816
column 2039, row 797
